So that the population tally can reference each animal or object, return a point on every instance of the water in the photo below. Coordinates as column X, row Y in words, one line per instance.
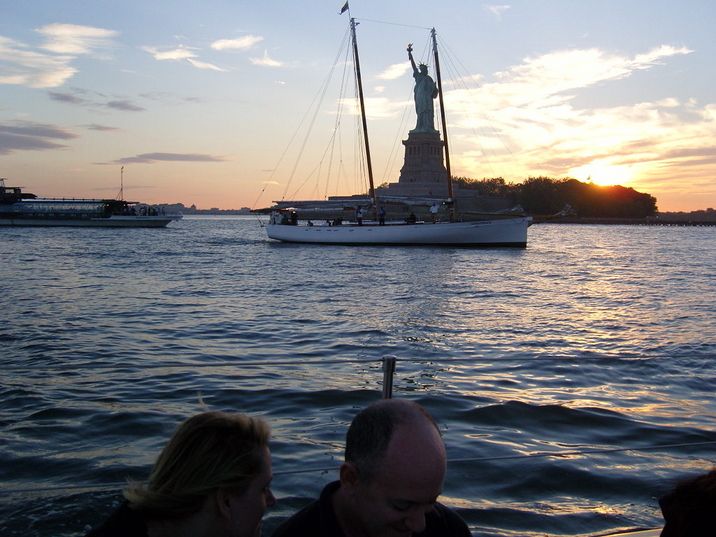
column 594, row 337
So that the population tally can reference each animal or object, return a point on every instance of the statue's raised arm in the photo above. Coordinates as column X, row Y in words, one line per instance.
column 412, row 61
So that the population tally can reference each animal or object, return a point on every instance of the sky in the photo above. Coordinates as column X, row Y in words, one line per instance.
column 238, row 103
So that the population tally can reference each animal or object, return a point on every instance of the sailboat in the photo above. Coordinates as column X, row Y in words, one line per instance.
column 499, row 230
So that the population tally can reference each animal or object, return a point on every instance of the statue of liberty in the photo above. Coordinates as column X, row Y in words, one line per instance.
column 424, row 92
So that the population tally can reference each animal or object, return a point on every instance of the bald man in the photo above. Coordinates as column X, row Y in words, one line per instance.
column 389, row 483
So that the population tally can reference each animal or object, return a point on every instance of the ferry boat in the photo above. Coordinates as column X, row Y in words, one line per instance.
column 18, row 208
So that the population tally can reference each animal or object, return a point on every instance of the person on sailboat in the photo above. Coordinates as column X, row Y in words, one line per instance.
column 434, row 211
column 424, row 92
column 359, row 215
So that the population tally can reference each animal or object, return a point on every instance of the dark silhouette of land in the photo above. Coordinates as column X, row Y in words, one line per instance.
column 549, row 200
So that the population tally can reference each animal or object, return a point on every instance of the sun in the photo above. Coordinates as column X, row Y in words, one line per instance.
column 602, row 173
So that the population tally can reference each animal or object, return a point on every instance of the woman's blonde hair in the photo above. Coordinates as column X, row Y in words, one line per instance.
column 208, row 451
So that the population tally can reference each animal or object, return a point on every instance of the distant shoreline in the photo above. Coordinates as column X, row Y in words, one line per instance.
column 648, row 221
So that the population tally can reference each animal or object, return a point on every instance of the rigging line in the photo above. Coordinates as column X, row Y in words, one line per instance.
column 337, row 125
column 392, row 23
column 461, row 84
column 452, row 58
column 329, row 147
column 394, row 149
column 247, row 363
column 322, row 92
column 477, row 361
column 300, row 125
column 117, row 484
column 316, row 170
column 360, row 166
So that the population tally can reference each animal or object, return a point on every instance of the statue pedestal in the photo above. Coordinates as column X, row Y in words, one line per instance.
column 423, row 172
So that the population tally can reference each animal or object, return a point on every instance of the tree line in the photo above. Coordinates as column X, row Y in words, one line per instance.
column 548, row 196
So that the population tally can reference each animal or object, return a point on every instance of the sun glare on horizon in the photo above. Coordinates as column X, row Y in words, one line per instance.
column 603, row 174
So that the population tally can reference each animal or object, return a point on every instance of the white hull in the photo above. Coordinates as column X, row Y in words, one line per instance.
column 500, row 232
column 112, row 221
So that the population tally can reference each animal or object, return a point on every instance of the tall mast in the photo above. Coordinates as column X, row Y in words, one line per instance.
column 121, row 184
column 362, row 114
column 442, row 119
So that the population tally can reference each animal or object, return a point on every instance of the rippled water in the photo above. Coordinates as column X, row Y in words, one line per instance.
column 593, row 337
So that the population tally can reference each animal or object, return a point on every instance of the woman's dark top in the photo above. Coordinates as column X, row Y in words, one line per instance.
column 122, row 523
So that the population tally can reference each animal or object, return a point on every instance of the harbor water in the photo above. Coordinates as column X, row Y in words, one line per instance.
column 573, row 380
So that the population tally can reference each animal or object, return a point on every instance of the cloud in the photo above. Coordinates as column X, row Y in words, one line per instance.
column 376, row 107
column 69, row 98
column 266, row 61
column 124, row 105
column 75, row 40
column 149, row 158
column 394, row 71
column 50, row 67
column 527, row 121
column 23, row 66
column 179, row 53
column 101, row 128
column 168, row 97
column 203, row 65
column 241, row 43
column 80, row 97
column 29, row 136
column 496, row 9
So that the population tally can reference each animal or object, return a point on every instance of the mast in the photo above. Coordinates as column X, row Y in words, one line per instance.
column 120, row 196
column 443, row 122
column 362, row 114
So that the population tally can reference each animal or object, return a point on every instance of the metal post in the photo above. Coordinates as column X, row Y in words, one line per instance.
column 388, row 372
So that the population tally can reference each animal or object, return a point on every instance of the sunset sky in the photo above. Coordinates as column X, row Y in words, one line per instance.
column 210, row 103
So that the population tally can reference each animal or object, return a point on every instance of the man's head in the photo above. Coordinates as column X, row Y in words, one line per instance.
column 690, row 509
column 393, row 471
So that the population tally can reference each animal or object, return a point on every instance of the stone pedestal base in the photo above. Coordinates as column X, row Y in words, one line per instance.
column 423, row 172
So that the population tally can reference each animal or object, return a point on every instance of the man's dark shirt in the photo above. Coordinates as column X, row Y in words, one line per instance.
column 319, row 520
column 122, row 523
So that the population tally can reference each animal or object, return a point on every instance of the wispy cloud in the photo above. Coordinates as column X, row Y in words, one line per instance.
column 240, row 43
column 51, row 64
column 149, row 158
column 181, row 53
column 531, row 110
column 125, row 106
column 101, row 128
column 75, row 40
column 29, row 136
column 394, row 71
column 175, row 54
column 376, row 107
column 23, row 66
column 496, row 9
column 69, row 98
column 204, row 65
column 89, row 99
column 266, row 61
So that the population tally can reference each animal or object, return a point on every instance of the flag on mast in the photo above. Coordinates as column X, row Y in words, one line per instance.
column 344, row 8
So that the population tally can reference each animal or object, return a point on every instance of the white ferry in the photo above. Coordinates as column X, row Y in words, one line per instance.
column 23, row 209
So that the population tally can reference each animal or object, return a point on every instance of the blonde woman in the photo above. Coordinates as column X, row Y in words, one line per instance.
column 212, row 478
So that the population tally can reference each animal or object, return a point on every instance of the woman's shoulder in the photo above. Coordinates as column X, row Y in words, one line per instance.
column 123, row 522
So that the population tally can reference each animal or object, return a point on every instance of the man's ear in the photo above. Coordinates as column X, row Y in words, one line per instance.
column 222, row 500
column 349, row 475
